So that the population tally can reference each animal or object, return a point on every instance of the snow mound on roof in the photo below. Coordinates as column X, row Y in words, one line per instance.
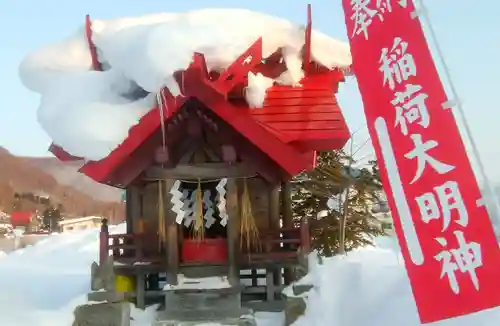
column 90, row 113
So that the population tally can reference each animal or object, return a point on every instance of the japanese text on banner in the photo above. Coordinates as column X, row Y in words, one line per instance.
column 365, row 12
column 397, row 65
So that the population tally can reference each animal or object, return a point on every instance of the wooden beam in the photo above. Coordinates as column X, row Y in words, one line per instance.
column 286, row 204
column 187, row 156
column 228, row 153
column 247, row 152
column 274, row 206
column 133, row 207
column 129, row 215
column 286, row 211
column 233, row 211
column 172, row 238
column 274, row 224
column 206, row 171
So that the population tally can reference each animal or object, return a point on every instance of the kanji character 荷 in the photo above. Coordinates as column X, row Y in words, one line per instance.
column 423, row 158
column 448, row 197
column 396, row 64
column 383, row 6
column 362, row 17
column 464, row 259
column 410, row 106
column 403, row 3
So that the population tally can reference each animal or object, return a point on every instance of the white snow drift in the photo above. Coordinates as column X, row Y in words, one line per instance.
column 90, row 113
column 42, row 284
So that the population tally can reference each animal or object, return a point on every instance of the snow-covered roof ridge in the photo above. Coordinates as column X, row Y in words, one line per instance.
column 89, row 113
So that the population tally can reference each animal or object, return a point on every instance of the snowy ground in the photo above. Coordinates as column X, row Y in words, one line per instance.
column 41, row 285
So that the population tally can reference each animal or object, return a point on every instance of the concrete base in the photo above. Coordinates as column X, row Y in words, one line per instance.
column 235, row 318
column 295, row 306
column 185, row 302
column 187, row 307
column 102, row 314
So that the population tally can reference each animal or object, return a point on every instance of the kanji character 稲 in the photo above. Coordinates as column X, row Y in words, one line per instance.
column 410, row 106
column 448, row 197
column 419, row 152
column 362, row 17
column 396, row 64
column 464, row 259
column 383, row 6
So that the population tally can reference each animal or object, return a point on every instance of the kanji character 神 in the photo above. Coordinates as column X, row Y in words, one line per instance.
column 448, row 197
column 410, row 106
column 423, row 158
column 362, row 17
column 396, row 64
column 464, row 259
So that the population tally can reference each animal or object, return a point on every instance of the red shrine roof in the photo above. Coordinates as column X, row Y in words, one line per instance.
column 294, row 123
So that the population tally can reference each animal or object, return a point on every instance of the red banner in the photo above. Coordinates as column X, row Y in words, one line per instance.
column 450, row 250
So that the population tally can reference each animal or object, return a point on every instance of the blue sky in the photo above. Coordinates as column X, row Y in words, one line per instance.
column 465, row 30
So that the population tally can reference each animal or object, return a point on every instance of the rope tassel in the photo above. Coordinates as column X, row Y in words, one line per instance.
column 248, row 228
column 199, row 227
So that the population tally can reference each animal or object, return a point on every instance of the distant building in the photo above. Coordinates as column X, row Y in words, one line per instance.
column 21, row 219
column 4, row 217
column 82, row 223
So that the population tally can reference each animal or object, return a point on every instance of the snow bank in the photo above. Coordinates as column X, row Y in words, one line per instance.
column 370, row 287
column 90, row 113
column 41, row 285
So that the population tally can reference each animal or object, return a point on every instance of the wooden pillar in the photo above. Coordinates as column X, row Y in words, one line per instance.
column 286, row 209
column 274, row 206
column 286, row 201
column 140, row 290
column 133, row 211
column 274, row 278
column 172, row 236
column 129, row 216
column 103, row 242
column 233, row 211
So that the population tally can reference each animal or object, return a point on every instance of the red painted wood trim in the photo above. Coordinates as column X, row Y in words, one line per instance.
column 307, row 44
column 96, row 65
column 61, row 154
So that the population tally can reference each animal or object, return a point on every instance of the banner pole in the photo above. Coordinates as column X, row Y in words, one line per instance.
column 492, row 205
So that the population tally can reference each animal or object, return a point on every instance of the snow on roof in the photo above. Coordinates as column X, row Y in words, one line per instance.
column 89, row 113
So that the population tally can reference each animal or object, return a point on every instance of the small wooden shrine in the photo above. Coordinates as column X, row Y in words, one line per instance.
column 207, row 178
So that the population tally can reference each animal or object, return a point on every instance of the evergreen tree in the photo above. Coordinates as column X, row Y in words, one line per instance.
column 51, row 217
column 338, row 200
